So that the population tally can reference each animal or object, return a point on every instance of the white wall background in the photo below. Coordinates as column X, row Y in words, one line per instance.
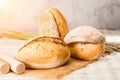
column 23, row 15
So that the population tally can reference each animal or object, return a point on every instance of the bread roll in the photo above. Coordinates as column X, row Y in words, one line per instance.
column 52, row 24
column 85, row 43
column 44, row 52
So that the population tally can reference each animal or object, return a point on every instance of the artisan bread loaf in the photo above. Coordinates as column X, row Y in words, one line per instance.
column 85, row 43
column 53, row 24
column 44, row 52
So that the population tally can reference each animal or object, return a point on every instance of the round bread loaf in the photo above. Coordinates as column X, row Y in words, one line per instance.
column 85, row 43
column 44, row 52
column 53, row 24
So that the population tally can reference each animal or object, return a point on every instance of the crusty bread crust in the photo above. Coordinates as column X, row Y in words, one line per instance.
column 84, row 34
column 60, row 21
column 44, row 52
column 48, row 26
column 86, row 51
column 53, row 24
column 85, row 43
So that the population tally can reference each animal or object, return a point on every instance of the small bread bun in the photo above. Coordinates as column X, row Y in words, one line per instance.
column 52, row 24
column 44, row 52
column 85, row 43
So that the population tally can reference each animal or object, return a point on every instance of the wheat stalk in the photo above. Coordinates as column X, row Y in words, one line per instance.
column 17, row 34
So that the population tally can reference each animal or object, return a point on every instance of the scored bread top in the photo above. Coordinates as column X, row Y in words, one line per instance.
column 43, row 39
column 53, row 24
column 84, row 34
column 48, row 26
column 44, row 52
column 60, row 21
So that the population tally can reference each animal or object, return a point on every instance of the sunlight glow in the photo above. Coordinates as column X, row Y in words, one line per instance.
column 4, row 4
